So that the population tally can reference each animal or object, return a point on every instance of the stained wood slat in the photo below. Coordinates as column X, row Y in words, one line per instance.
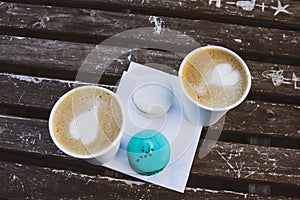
column 258, row 12
column 25, row 181
column 35, row 92
column 242, row 161
column 57, row 22
column 251, row 162
column 29, row 135
column 264, row 119
column 48, row 58
column 43, row 93
column 61, row 59
column 265, row 77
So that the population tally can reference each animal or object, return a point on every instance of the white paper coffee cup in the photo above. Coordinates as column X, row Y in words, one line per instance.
column 221, row 76
column 87, row 123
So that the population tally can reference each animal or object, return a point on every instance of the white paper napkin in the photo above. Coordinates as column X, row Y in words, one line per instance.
column 182, row 135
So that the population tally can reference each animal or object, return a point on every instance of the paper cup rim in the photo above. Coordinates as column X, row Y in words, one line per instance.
column 89, row 156
column 244, row 65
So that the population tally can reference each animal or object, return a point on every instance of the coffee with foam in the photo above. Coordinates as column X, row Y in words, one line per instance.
column 86, row 121
column 214, row 77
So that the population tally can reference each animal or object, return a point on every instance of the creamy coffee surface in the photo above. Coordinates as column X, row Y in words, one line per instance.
column 214, row 78
column 87, row 121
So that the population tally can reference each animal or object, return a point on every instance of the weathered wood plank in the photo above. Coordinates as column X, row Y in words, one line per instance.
column 259, row 13
column 242, row 161
column 59, row 59
column 57, row 22
column 38, row 93
column 48, row 58
column 264, row 119
column 24, row 181
column 274, row 80
column 31, row 135
column 260, row 118
column 251, row 162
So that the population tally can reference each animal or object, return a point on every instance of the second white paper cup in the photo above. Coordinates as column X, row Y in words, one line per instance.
column 203, row 115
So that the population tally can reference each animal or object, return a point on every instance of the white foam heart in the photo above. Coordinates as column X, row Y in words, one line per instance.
column 224, row 74
column 85, row 126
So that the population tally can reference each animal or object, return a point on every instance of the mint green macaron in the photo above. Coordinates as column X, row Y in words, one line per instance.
column 148, row 152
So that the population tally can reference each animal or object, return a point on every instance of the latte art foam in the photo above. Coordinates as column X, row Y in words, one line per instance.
column 85, row 121
column 223, row 75
column 214, row 78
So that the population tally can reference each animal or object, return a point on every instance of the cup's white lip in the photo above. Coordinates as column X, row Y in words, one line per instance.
column 237, row 57
column 90, row 156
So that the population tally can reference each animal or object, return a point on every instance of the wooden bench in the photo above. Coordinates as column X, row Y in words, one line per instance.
column 43, row 44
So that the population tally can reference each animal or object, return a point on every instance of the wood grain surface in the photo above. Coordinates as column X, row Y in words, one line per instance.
column 25, row 181
column 60, row 59
column 261, row 13
column 261, row 118
column 47, row 47
column 275, row 165
column 53, row 22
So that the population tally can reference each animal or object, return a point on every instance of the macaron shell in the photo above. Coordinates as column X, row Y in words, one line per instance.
column 153, row 99
column 148, row 152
